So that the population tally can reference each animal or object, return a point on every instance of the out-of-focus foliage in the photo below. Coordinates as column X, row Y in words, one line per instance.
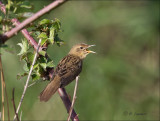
column 120, row 82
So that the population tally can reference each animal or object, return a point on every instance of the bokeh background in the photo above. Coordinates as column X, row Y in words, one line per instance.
column 120, row 82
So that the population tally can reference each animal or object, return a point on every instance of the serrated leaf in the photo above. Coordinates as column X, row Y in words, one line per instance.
column 51, row 35
column 44, row 21
column 50, row 64
column 24, row 47
column 20, row 76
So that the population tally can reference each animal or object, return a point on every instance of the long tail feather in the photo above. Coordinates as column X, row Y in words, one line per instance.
column 50, row 89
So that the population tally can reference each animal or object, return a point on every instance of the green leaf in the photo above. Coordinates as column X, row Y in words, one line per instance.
column 26, row 67
column 35, row 66
column 23, row 56
column 44, row 21
column 51, row 35
column 42, row 52
column 25, row 6
column 40, row 70
column 42, row 60
column 57, row 24
column 43, row 65
column 43, row 41
column 24, row 47
column 30, row 57
column 19, row 76
column 0, row 18
column 43, row 35
column 35, row 77
column 50, row 64
column 58, row 41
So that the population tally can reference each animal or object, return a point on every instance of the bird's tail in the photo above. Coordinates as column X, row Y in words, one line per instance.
column 50, row 89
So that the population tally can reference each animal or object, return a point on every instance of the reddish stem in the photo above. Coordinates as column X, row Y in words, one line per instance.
column 64, row 96
column 26, row 34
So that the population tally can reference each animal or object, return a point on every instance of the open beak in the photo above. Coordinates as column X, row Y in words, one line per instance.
column 89, row 51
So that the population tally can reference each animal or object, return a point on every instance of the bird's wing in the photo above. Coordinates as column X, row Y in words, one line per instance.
column 68, row 68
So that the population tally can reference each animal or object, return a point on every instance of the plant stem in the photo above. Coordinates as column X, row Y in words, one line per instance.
column 26, row 85
column 74, row 98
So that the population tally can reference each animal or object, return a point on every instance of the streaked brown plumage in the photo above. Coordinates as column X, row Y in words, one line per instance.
column 67, row 70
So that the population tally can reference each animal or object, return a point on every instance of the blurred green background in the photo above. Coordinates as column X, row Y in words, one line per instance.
column 120, row 82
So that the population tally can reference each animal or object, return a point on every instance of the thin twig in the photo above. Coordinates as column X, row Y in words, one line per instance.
column 26, row 85
column 32, row 84
column 74, row 98
column 2, row 91
column 0, row 115
column 4, row 86
column 21, row 116
column 43, row 11
column 14, row 106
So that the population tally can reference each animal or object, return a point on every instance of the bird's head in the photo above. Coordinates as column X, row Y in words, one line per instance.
column 81, row 50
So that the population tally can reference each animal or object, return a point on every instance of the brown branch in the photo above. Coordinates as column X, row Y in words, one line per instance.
column 74, row 98
column 14, row 106
column 67, row 103
column 61, row 91
column 43, row 11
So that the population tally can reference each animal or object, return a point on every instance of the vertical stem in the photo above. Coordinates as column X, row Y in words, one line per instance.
column 26, row 85
column 74, row 98
column 2, row 90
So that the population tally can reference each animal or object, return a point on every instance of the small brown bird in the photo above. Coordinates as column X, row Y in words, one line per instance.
column 67, row 70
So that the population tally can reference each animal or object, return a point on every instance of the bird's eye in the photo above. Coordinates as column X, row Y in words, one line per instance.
column 81, row 47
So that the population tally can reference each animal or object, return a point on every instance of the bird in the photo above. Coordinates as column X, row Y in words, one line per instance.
column 67, row 70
